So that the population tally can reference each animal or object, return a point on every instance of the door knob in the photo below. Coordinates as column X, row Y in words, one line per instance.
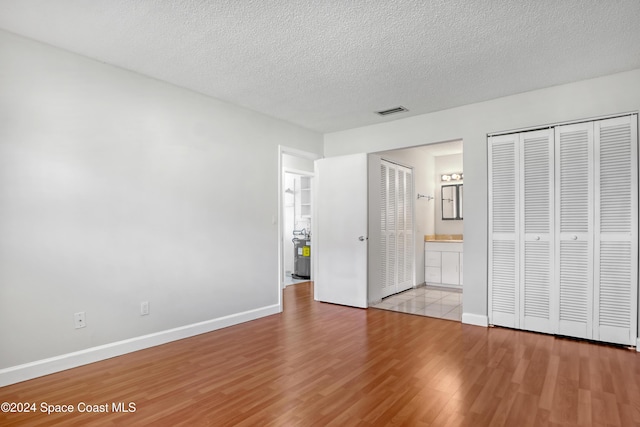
column 574, row 237
column 537, row 237
column 362, row 238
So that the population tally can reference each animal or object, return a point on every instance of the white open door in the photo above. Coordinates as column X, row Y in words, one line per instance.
column 340, row 240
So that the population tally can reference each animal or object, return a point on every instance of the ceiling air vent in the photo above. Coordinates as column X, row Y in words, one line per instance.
column 399, row 109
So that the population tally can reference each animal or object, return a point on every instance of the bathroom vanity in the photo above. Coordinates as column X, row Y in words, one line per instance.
column 443, row 263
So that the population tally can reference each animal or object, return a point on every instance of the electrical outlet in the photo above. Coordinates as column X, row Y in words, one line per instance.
column 144, row 308
column 79, row 320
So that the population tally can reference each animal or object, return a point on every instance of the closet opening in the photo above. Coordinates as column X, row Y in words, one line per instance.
column 563, row 229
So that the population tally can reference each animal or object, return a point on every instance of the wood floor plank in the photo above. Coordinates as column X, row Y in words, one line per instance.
column 328, row 365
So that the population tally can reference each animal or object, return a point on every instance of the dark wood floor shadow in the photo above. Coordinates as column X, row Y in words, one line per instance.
column 323, row 364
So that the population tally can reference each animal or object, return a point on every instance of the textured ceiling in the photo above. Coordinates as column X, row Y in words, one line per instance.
column 328, row 65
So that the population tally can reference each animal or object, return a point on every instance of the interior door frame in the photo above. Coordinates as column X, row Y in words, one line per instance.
column 307, row 155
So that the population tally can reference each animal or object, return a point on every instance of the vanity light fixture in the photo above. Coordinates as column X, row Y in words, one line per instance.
column 456, row 176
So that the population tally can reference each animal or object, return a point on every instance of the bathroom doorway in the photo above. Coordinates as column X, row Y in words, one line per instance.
column 437, row 291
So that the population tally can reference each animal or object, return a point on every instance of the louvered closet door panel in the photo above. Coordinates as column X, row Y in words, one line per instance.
column 396, row 210
column 503, row 226
column 574, row 229
column 406, row 248
column 536, row 201
column 400, row 232
column 392, row 223
column 388, row 284
column 616, row 234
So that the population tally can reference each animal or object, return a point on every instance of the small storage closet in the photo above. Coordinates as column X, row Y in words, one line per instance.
column 563, row 229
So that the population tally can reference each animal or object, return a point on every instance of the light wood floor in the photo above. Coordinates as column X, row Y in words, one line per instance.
column 322, row 364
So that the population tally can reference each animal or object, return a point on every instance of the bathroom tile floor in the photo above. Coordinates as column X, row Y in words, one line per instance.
column 426, row 301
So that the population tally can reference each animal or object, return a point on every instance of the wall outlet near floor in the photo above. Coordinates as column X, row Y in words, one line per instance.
column 144, row 308
column 79, row 320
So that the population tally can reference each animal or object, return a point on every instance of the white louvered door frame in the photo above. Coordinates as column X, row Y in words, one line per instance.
column 504, row 292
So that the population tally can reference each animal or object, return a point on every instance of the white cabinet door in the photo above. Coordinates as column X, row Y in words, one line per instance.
column 432, row 275
column 616, row 230
column 503, row 231
column 450, row 268
column 536, row 250
column 432, row 258
column 341, row 232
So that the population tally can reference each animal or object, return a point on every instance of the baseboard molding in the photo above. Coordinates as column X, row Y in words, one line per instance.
column 27, row 371
column 475, row 319
column 638, row 344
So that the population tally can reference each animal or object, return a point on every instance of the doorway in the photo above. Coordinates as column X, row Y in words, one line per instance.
column 294, row 166
column 434, row 294
column 297, row 219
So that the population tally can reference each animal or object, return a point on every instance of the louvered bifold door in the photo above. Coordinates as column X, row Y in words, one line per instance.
column 405, row 229
column 536, row 219
column 574, row 229
column 616, row 230
column 504, row 294
column 387, row 232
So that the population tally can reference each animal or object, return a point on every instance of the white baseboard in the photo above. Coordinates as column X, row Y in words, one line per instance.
column 63, row 362
column 475, row 319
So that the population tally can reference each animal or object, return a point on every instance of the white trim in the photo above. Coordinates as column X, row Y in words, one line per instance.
column 297, row 171
column 570, row 122
column 638, row 345
column 63, row 362
column 475, row 319
column 299, row 153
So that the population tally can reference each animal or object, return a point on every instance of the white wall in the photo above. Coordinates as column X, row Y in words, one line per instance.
column 116, row 188
column 445, row 165
column 590, row 98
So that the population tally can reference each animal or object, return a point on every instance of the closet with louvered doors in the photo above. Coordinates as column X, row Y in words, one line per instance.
column 396, row 234
column 521, row 230
column 597, row 230
column 572, row 211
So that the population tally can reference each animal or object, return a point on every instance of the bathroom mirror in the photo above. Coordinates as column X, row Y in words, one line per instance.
column 451, row 199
